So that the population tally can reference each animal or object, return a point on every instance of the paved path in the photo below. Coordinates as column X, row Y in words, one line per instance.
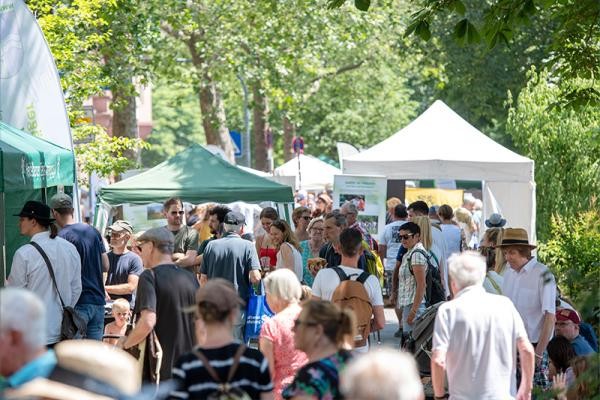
column 387, row 333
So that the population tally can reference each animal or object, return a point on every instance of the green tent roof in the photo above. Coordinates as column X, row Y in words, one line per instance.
column 197, row 176
column 28, row 162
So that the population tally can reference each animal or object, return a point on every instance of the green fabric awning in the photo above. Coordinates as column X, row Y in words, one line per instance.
column 28, row 162
column 197, row 176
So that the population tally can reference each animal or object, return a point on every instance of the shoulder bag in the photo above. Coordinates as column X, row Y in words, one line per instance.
column 72, row 324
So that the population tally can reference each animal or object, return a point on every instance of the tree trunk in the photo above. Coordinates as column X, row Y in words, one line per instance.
column 289, row 130
column 260, row 127
column 214, row 119
column 124, row 121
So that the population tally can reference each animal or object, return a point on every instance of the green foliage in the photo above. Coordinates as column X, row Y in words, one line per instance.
column 573, row 253
column 103, row 154
column 563, row 142
column 176, row 122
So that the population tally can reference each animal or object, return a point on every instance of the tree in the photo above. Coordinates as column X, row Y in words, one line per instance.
column 563, row 142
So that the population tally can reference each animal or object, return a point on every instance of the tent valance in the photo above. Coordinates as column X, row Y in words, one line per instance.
column 197, row 176
column 28, row 162
column 311, row 173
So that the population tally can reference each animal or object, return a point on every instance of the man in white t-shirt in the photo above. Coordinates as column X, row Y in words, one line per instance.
column 487, row 331
column 327, row 280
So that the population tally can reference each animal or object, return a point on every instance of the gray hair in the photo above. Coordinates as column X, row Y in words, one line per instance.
column 384, row 374
column 467, row 269
column 23, row 311
column 229, row 228
column 283, row 284
column 350, row 208
column 340, row 220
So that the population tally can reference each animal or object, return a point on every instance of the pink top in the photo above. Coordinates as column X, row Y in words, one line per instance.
column 288, row 360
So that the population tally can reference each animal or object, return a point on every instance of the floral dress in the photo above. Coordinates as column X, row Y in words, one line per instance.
column 319, row 379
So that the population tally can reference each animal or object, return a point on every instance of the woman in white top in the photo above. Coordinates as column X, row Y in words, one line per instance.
column 493, row 280
column 287, row 246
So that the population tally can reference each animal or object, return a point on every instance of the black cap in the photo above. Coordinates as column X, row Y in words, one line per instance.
column 35, row 209
column 234, row 218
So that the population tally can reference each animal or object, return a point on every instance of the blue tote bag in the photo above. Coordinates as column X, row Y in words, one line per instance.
column 257, row 312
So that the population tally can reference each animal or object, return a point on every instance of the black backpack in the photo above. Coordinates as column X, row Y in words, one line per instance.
column 434, row 290
column 419, row 341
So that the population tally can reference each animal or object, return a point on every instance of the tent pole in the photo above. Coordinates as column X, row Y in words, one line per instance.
column 2, row 241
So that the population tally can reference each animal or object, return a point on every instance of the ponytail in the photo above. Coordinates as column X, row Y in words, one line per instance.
column 53, row 231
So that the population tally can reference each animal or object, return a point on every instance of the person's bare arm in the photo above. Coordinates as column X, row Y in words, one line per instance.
column 105, row 262
column 545, row 335
column 267, row 396
column 203, row 279
column 438, row 371
column 124, row 288
column 526, row 355
column 188, row 259
column 382, row 251
column 266, row 348
column 379, row 318
column 288, row 257
column 395, row 274
column 142, row 329
column 419, row 271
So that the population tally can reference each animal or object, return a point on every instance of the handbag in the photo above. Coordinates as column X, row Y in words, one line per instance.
column 149, row 353
column 257, row 313
column 72, row 324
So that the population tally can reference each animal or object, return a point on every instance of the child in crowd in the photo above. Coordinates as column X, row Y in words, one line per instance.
column 120, row 311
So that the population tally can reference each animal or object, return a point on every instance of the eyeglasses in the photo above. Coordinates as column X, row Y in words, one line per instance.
column 307, row 217
column 299, row 322
column 177, row 212
column 406, row 237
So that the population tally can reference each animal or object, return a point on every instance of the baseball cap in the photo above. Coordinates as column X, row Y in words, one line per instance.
column 566, row 314
column 61, row 200
column 120, row 226
column 234, row 218
column 157, row 236
column 35, row 209
column 220, row 293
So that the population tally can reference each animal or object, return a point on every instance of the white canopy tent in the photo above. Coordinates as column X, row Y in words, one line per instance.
column 439, row 144
column 311, row 174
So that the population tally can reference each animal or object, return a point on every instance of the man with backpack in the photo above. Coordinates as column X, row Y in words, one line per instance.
column 351, row 287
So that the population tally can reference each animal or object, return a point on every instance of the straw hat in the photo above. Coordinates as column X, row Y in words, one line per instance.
column 515, row 237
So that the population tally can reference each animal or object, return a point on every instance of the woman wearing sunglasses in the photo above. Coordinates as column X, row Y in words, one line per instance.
column 410, row 297
column 320, row 331
column 301, row 217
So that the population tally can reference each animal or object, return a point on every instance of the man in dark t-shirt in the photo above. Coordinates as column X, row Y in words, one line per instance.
column 165, row 292
column 94, row 261
column 186, row 238
column 124, row 267
column 216, row 216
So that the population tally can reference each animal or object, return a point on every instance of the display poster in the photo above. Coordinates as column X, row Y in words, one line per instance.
column 435, row 197
column 144, row 217
column 368, row 193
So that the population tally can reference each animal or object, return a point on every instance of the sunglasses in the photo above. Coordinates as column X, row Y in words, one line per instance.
column 299, row 322
column 177, row 212
column 307, row 218
column 406, row 237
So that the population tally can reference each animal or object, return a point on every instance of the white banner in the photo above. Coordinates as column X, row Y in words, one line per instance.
column 31, row 98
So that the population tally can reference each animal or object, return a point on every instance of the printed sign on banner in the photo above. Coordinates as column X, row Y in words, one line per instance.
column 368, row 194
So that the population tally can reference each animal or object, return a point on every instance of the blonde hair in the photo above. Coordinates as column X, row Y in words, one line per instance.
column 283, row 284
column 425, row 227
column 463, row 215
column 392, row 202
column 121, row 304
column 337, row 323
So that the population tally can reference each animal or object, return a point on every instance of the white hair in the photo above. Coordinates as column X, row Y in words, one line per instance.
column 283, row 284
column 383, row 374
column 22, row 311
column 232, row 228
column 467, row 269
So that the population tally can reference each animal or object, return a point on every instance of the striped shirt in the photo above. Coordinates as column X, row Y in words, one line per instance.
column 194, row 382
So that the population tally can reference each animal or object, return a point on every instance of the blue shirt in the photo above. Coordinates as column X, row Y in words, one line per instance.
column 40, row 367
column 581, row 346
column 88, row 243
column 120, row 267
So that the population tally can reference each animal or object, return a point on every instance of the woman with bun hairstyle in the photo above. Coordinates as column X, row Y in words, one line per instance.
column 320, row 331
column 201, row 372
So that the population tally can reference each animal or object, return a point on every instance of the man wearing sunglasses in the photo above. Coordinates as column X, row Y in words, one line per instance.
column 186, row 238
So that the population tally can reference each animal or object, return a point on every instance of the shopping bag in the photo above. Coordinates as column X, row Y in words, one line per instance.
column 257, row 313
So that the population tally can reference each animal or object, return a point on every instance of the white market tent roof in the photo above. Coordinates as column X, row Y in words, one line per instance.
column 439, row 144
column 314, row 173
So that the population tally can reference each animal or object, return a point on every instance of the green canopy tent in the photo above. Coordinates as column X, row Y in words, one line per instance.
column 195, row 175
column 30, row 169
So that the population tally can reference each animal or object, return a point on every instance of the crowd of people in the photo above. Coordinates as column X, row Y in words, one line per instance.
column 179, row 296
